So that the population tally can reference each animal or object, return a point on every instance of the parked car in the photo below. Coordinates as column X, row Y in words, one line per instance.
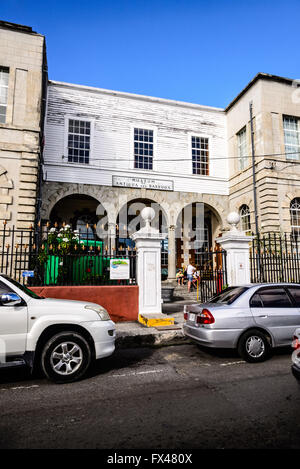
column 62, row 337
column 296, row 355
column 252, row 318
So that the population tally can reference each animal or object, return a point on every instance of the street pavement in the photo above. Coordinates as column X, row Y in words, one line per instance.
column 134, row 334
column 180, row 397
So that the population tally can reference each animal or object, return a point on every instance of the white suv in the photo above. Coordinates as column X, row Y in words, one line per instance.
column 62, row 337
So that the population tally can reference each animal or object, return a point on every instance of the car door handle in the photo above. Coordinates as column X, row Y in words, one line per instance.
column 263, row 316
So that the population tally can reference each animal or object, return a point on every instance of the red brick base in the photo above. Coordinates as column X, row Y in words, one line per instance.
column 122, row 302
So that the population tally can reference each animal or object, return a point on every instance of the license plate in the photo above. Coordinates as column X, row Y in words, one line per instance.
column 192, row 317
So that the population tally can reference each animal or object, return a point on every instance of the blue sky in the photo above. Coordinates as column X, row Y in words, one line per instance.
column 197, row 51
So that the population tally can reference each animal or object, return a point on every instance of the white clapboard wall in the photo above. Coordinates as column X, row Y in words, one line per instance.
column 114, row 115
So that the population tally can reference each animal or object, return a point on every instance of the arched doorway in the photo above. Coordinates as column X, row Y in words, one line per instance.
column 83, row 213
column 197, row 228
column 129, row 221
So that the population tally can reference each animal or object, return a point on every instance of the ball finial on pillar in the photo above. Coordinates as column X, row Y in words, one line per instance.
column 233, row 219
column 147, row 214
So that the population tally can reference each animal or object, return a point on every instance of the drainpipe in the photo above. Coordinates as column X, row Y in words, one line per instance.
column 259, row 264
column 42, row 123
column 253, row 168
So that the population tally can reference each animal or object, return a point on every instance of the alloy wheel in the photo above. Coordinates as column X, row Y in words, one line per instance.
column 66, row 358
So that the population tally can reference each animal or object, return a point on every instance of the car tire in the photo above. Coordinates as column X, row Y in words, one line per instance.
column 66, row 357
column 254, row 346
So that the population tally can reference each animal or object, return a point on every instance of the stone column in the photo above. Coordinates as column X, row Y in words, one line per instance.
column 171, row 253
column 237, row 247
column 148, row 245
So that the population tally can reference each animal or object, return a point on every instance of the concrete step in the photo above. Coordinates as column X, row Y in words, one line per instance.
column 155, row 319
column 183, row 293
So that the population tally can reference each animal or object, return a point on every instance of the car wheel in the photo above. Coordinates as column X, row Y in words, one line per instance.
column 66, row 357
column 254, row 346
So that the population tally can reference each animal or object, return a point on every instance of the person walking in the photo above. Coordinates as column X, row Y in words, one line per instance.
column 190, row 272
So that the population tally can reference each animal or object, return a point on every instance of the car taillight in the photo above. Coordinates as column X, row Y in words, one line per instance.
column 205, row 317
column 296, row 342
column 186, row 316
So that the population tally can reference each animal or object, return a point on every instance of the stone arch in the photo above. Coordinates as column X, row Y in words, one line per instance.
column 142, row 194
column 284, row 213
column 218, row 210
column 244, row 200
column 187, row 199
column 131, row 200
column 289, row 197
column 207, row 207
column 57, row 191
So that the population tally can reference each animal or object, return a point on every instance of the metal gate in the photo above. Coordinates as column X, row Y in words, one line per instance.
column 213, row 274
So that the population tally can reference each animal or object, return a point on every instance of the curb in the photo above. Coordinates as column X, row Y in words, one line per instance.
column 153, row 338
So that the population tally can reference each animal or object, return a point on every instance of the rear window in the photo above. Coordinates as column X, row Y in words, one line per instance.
column 228, row 296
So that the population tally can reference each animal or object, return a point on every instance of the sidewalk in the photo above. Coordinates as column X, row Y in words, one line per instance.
column 133, row 334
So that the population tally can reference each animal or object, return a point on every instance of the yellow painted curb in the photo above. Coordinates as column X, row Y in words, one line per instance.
column 152, row 321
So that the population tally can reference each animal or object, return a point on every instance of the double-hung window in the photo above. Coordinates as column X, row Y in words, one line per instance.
column 79, row 140
column 245, row 219
column 242, row 149
column 143, row 148
column 295, row 217
column 4, row 73
column 200, row 156
column 291, row 130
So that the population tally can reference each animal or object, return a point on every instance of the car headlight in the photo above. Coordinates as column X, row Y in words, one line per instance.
column 103, row 314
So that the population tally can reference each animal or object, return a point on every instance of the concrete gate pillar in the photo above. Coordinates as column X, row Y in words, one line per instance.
column 148, row 245
column 237, row 247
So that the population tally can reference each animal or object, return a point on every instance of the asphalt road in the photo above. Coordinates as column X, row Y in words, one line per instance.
column 177, row 397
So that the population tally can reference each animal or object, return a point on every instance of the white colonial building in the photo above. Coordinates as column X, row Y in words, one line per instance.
column 107, row 153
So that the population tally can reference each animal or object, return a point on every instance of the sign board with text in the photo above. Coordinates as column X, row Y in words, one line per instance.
column 28, row 273
column 143, row 183
column 119, row 269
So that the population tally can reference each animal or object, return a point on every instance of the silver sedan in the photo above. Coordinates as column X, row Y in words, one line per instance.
column 251, row 318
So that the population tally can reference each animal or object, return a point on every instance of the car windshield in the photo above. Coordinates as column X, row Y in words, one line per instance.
column 228, row 296
column 23, row 288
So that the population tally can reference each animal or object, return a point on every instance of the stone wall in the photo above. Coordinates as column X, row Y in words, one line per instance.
column 22, row 52
column 278, row 179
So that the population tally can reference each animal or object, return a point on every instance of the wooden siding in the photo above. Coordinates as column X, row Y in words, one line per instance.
column 114, row 115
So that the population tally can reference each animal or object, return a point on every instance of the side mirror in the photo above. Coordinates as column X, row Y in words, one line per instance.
column 10, row 299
